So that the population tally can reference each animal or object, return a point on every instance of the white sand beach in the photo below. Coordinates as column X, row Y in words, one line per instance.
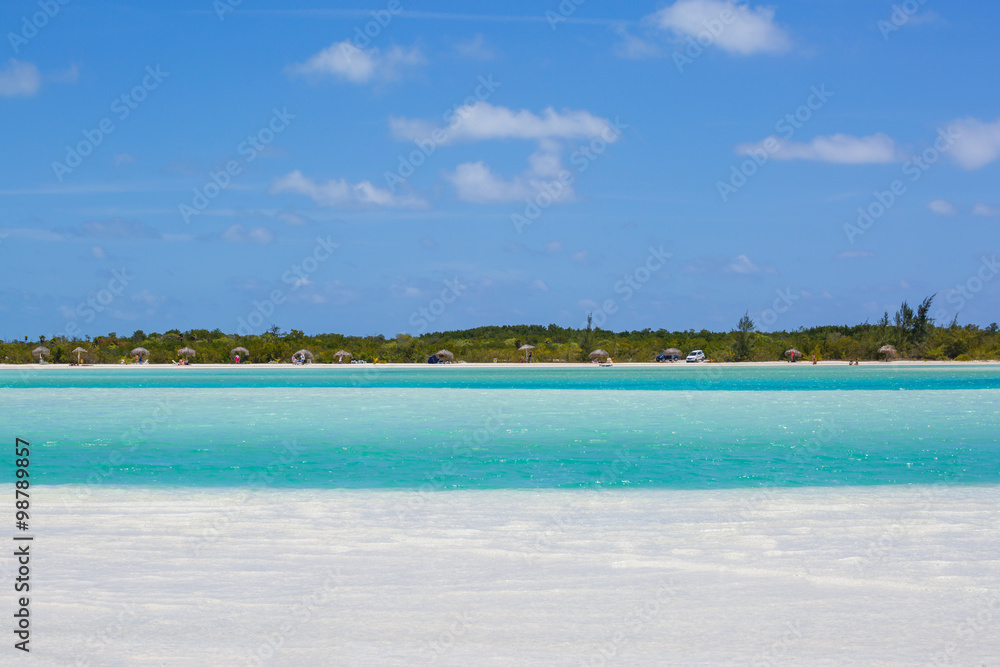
column 841, row 576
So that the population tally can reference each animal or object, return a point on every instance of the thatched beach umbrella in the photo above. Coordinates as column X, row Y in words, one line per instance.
column 526, row 349
column 186, row 352
column 40, row 351
column 793, row 353
column 79, row 352
column 141, row 352
column 672, row 352
column 599, row 353
column 341, row 354
column 445, row 354
column 302, row 355
column 888, row 351
column 239, row 350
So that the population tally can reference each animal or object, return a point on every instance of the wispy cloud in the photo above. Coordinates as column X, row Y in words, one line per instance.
column 985, row 210
column 836, row 149
column 346, row 62
column 237, row 234
column 977, row 143
column 942, row 207
column 743, row 264
column 739, row 29
column 475, row 48
column 483, row 121
column 19, row 79
column 340, row 193
column 112, row 228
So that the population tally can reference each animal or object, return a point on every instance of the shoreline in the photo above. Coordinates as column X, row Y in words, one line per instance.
column 580, row 365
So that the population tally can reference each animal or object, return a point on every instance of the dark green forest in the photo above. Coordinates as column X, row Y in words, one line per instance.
column 911, row 332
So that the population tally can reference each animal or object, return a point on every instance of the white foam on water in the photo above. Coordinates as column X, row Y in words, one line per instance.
column 825, row 576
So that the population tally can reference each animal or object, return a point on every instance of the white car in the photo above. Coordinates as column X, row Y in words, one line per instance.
column 695, row 356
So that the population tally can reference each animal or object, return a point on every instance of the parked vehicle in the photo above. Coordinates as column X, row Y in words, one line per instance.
column 695, row 356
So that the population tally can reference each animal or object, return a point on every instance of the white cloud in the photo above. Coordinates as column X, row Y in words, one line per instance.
column 942, row 207
column 69, row 75
column 985, row 210
column 338, row 192
column 743, row 264
column 483, row 121
column 635, row 47
column 475, row 48
column 345, row 61
column 237, row 234
column 19, row 79
column 98, row 252
column 475, row 181
column 837, row 148
column 292, row 218
column 735, row 28
column 539, row 284
column 977, row 143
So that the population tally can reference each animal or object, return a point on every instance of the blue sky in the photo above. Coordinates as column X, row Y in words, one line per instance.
column 390, row 168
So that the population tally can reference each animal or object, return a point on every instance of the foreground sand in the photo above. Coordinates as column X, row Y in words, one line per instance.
column 867, row 576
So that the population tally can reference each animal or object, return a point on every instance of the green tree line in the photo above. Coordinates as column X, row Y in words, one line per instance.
column 911, row 332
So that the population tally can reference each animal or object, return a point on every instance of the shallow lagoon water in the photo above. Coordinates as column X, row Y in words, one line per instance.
column 814, row 427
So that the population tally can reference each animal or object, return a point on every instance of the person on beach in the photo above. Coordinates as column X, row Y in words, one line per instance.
column 814, row 360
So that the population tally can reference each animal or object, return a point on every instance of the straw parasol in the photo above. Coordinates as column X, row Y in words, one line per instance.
column 526, row 348
column 79, row 351
column 888, row 351
column 445, row 354
column 793, row 353
column 598, row 353
column 341, row 354
column 40, row 351
column 672, row 352
column 303, row 355
column 239, row 350
column 186, row 352
column 141, row 351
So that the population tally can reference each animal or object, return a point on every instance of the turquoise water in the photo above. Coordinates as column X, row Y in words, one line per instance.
column 477, row 428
